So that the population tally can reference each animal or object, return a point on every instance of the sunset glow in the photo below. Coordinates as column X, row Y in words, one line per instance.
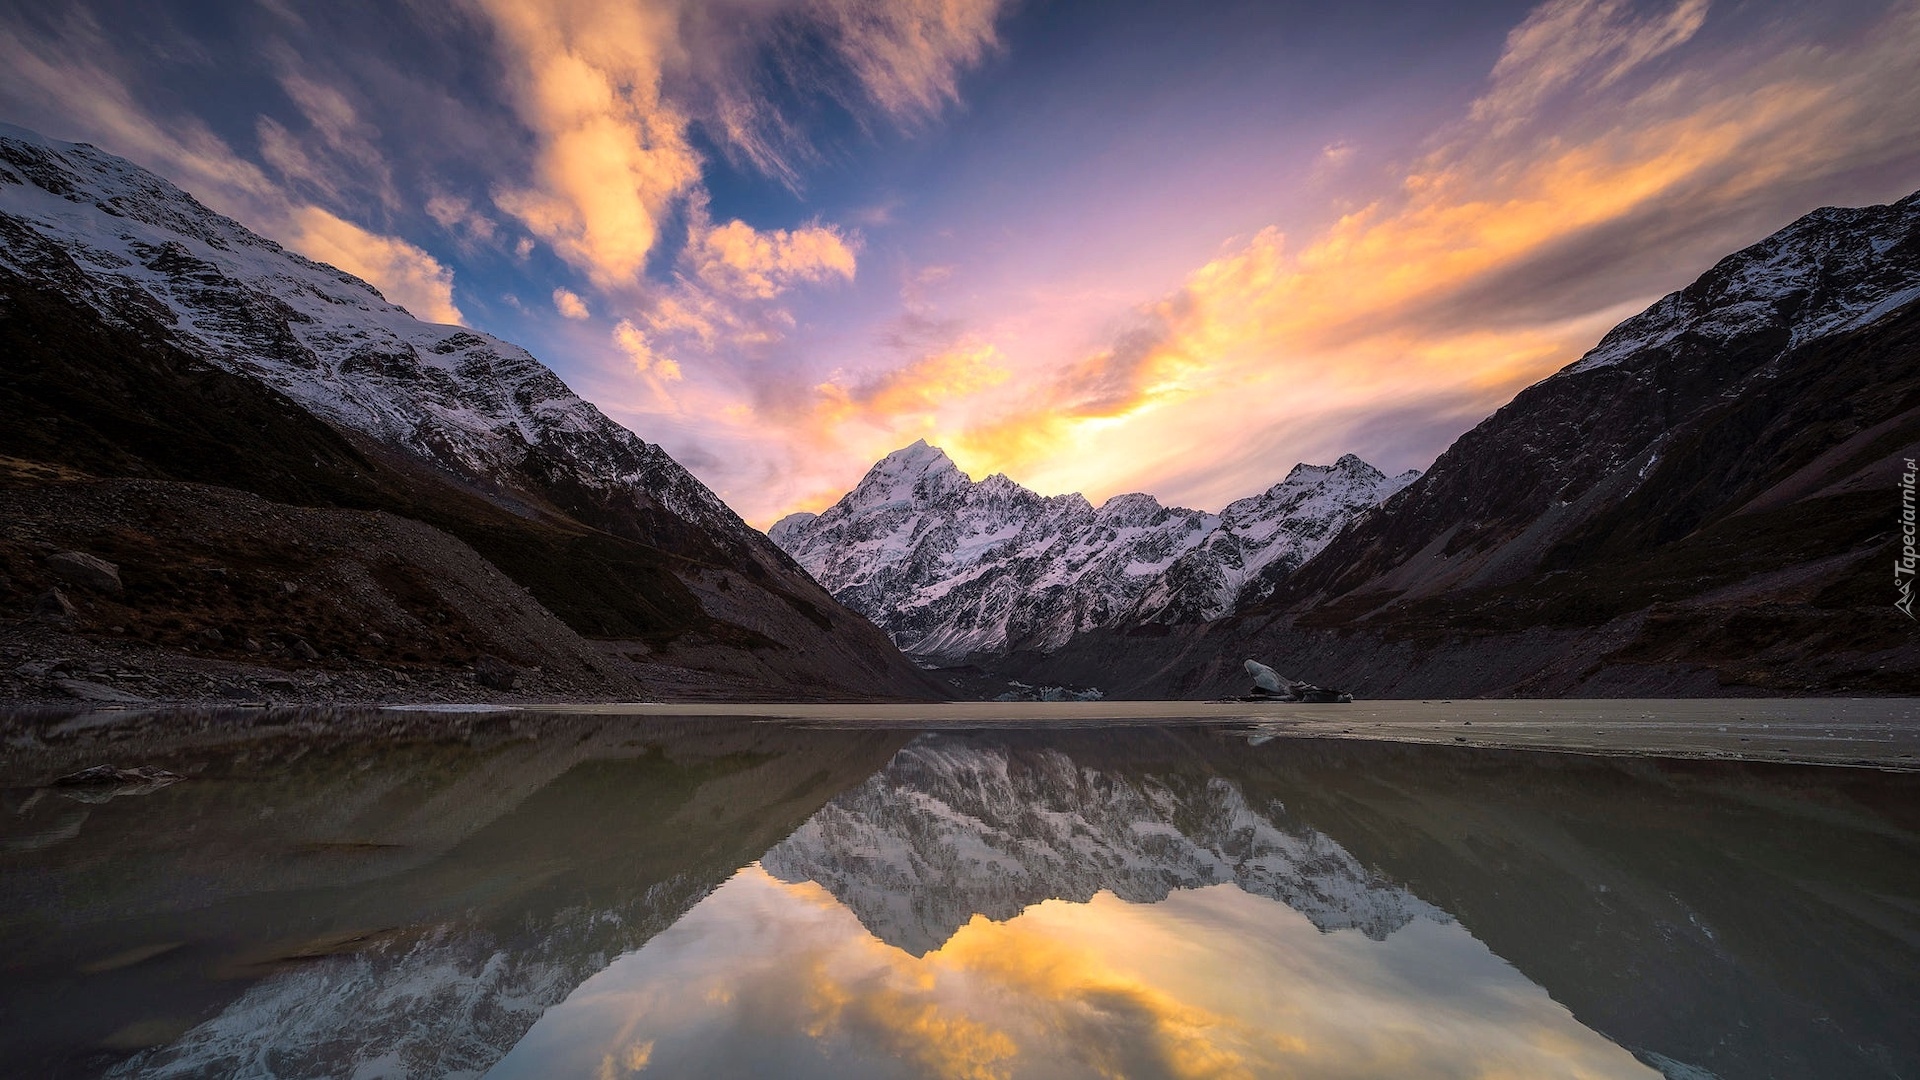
column 1096, row 249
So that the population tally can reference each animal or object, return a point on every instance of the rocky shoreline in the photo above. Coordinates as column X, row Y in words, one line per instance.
column 44, row 668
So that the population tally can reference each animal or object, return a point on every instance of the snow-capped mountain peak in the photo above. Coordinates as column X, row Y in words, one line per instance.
column 914, row 471
column 951, row 567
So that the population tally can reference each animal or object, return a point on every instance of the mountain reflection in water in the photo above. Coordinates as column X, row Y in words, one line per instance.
column 609, row 896
column 765, row 978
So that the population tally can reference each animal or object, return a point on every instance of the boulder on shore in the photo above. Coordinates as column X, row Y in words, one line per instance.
column 53, row 605
column 84, row 569
column 494, row 673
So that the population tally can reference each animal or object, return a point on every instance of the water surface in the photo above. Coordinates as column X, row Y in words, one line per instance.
column 613, row 894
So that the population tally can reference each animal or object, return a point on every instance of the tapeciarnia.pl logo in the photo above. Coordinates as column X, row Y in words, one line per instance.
column 1903, row 566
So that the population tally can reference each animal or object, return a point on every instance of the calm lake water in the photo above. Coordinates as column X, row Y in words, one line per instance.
column 551, row 895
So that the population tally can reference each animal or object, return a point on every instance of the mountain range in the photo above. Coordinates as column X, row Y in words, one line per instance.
column 955, row 569
column 1707, row 502
column 230, row 471
column 173, row 379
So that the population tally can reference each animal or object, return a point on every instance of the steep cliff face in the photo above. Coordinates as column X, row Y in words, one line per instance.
column 152, row 337
column 955, row 569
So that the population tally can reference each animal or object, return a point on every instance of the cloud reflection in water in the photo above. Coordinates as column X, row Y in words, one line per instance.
column 768, row 978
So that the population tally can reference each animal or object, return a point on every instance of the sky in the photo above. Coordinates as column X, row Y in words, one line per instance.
column 1102, row 247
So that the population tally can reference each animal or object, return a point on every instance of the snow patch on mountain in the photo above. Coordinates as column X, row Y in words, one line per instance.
column 1827, row 272
column 950, row 567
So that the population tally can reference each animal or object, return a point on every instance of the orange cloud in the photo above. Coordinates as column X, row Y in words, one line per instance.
column 406, row 275
column 918, row 389
column 633, row 341
column 569, row 305
column 740, row 259
column 690, row 314
column 611, row 87
column 614, row 154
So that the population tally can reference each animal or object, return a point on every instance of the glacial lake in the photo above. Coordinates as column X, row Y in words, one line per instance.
column 1434, row 889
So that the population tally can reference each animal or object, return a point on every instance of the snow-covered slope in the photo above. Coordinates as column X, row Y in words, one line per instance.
column 1263, row 537
column 129, row 244
column 951, row 568
column 950, row 829
column 1830, row 271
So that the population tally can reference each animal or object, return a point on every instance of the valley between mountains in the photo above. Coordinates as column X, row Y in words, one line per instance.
column 230, row 473
column 1706, row 503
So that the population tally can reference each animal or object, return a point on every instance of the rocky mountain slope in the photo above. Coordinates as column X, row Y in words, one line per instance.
column 1707, row 502
column 953, row 569
column 993, row 830
column 148, row 336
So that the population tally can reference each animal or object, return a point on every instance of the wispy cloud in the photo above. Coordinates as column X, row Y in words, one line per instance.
column 646, row 360
column 908, row 54
column 1588, row 42
column 459, row 217
column 341, row 154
